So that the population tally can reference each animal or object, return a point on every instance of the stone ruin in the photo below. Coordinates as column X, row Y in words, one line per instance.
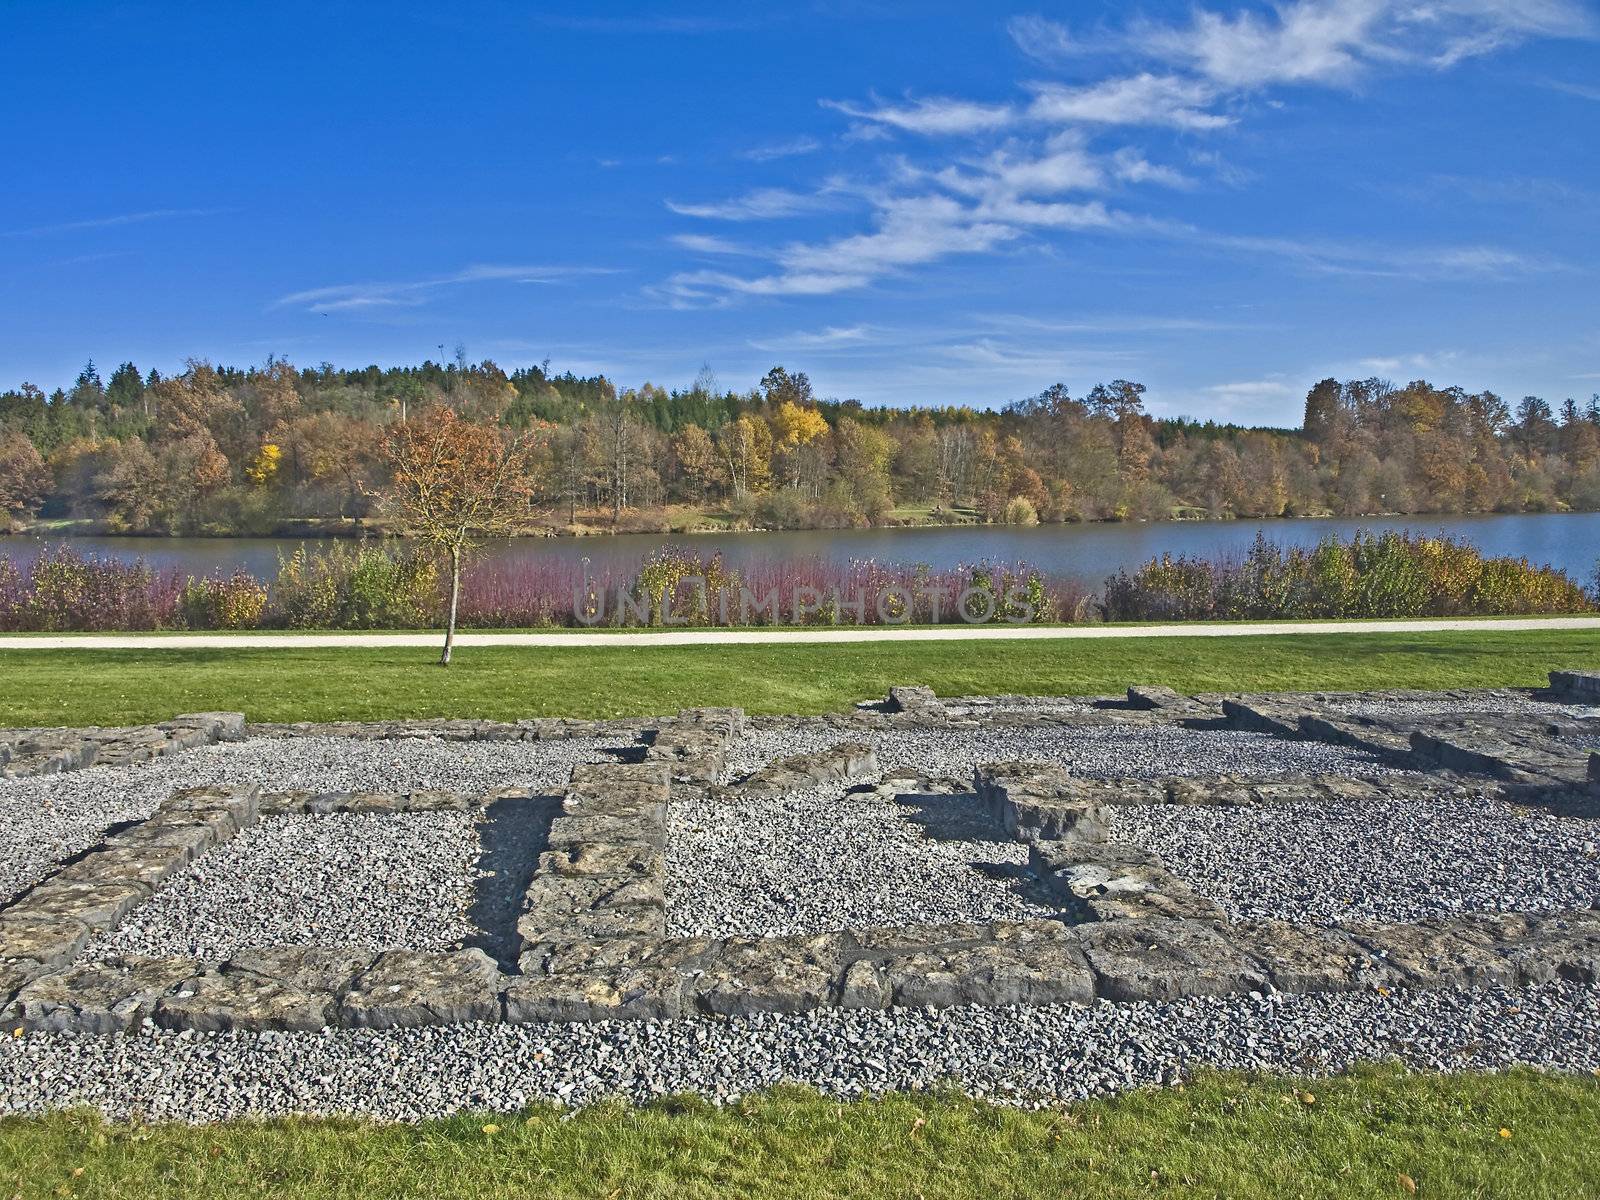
column 591, row 940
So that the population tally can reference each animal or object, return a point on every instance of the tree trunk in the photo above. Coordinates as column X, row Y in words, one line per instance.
column 455, row 595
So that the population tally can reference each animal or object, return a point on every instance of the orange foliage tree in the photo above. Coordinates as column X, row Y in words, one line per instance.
column 453, row 480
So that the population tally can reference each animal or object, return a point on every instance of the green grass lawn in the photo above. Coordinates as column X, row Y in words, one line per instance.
column 76, row 687
column 1378, row 1131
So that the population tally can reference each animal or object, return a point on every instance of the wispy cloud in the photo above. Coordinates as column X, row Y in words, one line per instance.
column 763, row 204
column 1143, row 99
column 1582, row 91
column 792, row 148
column 705, row 243
column 1044, row 40
column 934, row 115
column 344, row 297
column 112, row 222
column 829, row 338
column 1332, row 41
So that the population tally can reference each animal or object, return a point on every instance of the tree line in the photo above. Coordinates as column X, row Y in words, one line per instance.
column 276, row 448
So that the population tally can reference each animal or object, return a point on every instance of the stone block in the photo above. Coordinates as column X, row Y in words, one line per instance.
column 1024, row 963
column 310, row 968
column 50, row 940
column 613, row 979
column 917, row 699
column 569, row 833
column 1308, row 958
column 1437, row 953
column 413, row 987
column 1541, row 946
column 848, row 762
column 781, row 974
column 1154, row 696
column 220, row 726
column 98, row 905
column 225, row 1000
column 108, row 997
column 146, row 865
column 604, row 859
column 1165, row 959
column 180, row 830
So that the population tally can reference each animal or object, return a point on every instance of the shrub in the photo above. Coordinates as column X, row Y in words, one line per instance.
column 364, row 588
column 65, row 591
column 232, row 602
column 1020, row 511
column 1372, row 575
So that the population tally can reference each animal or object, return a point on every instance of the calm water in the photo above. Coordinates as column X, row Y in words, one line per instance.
column 1570, row 541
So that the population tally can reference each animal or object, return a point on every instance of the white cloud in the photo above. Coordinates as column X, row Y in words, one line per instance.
column 763, row 204
column 830, row 337
column 792, row 148
column 1331, row 41
column 1143, row 99
column 704, row 243
column 1042, row 39
column 935, row 115
column 1130, row 166
column 354, row 296
column 133, row 218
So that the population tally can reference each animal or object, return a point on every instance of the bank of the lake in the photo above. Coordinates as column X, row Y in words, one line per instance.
column 1083, row 553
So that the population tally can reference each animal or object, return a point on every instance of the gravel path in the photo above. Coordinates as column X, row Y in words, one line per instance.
column 822, row 861
column 370, row 881
column 1389, row 859
column 1105, row 751
column 1022, row 1056
column 48, row 818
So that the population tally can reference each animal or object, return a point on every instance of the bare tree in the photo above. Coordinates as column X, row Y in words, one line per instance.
column 455, row 480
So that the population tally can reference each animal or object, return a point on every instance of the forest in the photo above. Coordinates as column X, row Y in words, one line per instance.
column 276, row 449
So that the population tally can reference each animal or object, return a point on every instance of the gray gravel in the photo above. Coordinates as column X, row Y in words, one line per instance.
column 366, row 881
column 1032, row 1057
column 1398, row 858
column 1103, row 751
column 48, row 818
column 821, row 861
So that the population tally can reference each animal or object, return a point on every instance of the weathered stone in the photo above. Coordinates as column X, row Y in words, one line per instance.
column 616, row 978
column 914, row 699
column 865, row 986
column 220, row 1001
column 146, row 865
column 238, row 805
column 1437, row 953
column 414, row 987
column 50, row 940
column 604, row 859
column 780, row 974
column 1164, row 960
column 102, row 997
column 1541, row 946
column 1263, row 716
column 97, row 905
column 1580, row 686
column 1154, row 696
column 1302, row 958
column 1034, row 962
column 284, row 804
column 310, row 968
column 218, row 726
column 180, row 830
column 848, row 762
column 569, row 833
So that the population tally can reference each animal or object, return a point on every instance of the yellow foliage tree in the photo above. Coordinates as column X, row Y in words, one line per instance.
column 263, row 467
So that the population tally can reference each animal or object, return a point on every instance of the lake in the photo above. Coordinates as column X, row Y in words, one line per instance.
column 1089, row 553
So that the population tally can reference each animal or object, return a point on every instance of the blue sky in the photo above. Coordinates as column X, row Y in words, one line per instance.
column 919, row 202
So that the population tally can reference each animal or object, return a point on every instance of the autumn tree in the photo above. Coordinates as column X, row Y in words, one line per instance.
column 454, row 480
column 24, row 479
